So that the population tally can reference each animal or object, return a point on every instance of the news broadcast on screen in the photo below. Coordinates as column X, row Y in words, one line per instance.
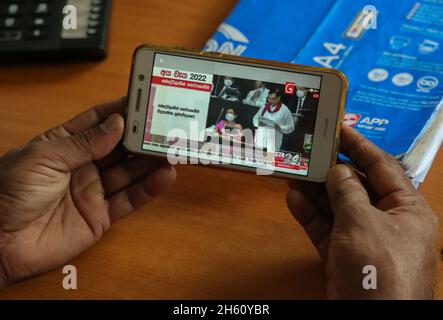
column 213, row 112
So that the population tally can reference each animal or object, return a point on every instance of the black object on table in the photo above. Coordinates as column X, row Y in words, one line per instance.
column 34, row 28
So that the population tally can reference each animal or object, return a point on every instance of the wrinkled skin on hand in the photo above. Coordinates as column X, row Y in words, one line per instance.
column 375, row 217
column 60, row 192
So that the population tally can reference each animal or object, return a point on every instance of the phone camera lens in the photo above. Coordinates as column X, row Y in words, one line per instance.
column 141, row 77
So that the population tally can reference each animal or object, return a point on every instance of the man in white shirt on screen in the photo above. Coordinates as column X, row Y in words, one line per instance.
column 257, row 96
column 273, row 120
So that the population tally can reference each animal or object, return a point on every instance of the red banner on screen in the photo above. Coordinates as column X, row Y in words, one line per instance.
column 185, row 84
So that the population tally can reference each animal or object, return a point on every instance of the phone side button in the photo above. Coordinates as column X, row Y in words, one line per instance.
column 212, row 54
column 187, row 49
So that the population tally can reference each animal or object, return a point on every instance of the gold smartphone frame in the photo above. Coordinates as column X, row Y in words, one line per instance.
column 330, row 109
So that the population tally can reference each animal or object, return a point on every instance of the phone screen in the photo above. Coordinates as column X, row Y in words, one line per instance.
column 228, row 113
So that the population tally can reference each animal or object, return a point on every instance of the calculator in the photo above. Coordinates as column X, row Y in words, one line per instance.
column 39, row 28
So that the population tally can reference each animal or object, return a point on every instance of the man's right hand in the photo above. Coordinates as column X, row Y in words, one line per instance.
column 62, row 191
column 376, row 218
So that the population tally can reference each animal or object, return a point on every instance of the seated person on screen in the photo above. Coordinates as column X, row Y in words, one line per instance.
column 257, row 96
column 229, row 92
column 229, row 127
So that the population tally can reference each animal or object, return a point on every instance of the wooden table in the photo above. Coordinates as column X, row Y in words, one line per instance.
column 215, row 234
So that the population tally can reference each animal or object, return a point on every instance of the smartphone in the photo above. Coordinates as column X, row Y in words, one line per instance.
column 209, row 108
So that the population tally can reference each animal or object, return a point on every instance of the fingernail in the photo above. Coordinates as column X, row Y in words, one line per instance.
column 172, row 173
column 111, row 124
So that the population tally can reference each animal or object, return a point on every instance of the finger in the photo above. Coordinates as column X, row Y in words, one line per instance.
column 85, row 120
column 316, row 226
column 312, row 189
column 316, row 192
column 74, row 151
column 118, row 154
column 384, row 174
column 95, row 115
column 125, row 173
column 347, row 195
column 89, row 197
column 126, row 201
column 364, row 181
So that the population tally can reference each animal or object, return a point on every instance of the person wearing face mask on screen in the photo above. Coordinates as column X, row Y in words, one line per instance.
column 302, row 106
column 229, row 91
column 229, row 130
column 229, row 124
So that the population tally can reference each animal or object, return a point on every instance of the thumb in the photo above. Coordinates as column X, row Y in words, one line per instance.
column 346, row 193
column 74, row 151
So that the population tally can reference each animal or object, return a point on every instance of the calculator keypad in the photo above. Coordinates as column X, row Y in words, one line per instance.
column 21, row 19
